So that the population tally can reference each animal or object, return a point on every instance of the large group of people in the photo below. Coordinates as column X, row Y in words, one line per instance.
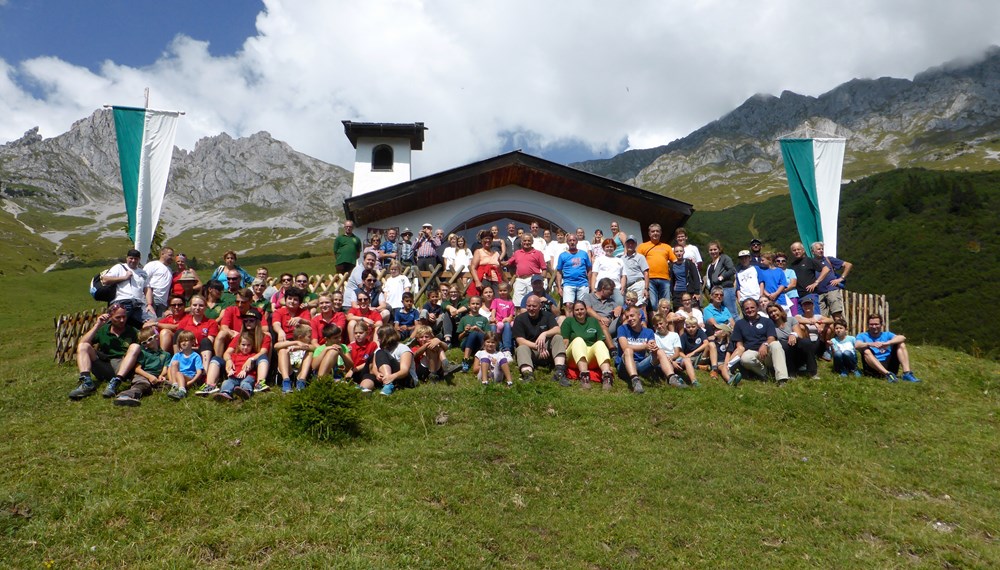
column 590, row 311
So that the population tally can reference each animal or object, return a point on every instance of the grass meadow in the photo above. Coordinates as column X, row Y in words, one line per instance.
column 833, row 473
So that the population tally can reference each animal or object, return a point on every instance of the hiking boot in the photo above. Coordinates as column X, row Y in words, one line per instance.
column 714, row 375
column 637, row 385
column 240, row 393
column 222, row 397
column 676, row 381
column 451, row 369
column 560, row 377
column 891, row 378
column 606, row 379
column 112, row 389
column 734, row 380
column 909, row 377
column 127, row 401
column 177, row 394
column 528, row 376
column 387, row 390
column 433, row 377
column 585, row 382
column 84, row 389
column 207, row 390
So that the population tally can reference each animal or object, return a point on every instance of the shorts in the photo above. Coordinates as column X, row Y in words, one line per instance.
column 832, row 302
column 572, row 293
column 891, row 364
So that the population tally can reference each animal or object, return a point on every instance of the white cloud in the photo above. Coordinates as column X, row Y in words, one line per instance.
column 475, row 72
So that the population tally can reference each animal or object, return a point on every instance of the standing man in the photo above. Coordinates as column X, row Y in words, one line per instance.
column 426, row 248
column 757, row 344
column 512, row 242
column 132, row 289
column 573, row 274
column 526, row 263
column 884, row 352
column 690, row 250
column 747, row 279
column 537, row 239
column 537, row 338
column 347, row 249
column 388, row 250
column 659, row 255
column 636, row 270
column 829, row 288
column 160, row 279
column 809, row 272
column 405, row 248
column 755, row 246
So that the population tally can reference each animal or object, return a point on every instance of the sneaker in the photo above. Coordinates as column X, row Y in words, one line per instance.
column 222, row 397
column 451, row 369
column 891, row 378
column 387, row 390
column 240, row 393
column 560, row 377
column 528, row 376
column 909, row 377
column 714, row 375
column 857, row 374
column 585, row 382
column 433, row 377
column 261, row 387
column 606, row 379
column 843, row 374
column 127, row 401
column 286, row 386
column 84, row 389
column 366, row 391
column 676, row 381
column 826, row 356
column 734, row 380
column 637, row 385
column 112, row 390
column 207, row 390
column 695, row 384
column 177, row 394
column 300, row 384
column 466, row 365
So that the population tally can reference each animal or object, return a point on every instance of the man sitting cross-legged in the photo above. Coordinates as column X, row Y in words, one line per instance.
column 537, row 338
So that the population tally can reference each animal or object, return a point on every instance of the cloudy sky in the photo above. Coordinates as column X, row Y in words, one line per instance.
column 566, row 80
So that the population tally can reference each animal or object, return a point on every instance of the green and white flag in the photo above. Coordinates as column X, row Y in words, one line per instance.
column 145, row 147
column 814, row 168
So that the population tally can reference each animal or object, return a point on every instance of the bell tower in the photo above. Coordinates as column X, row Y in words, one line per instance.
column 384, row 152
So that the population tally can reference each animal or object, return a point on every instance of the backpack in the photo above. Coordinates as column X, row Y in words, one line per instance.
column 100, row 292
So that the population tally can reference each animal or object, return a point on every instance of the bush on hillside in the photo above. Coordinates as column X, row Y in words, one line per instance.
column 327, row 410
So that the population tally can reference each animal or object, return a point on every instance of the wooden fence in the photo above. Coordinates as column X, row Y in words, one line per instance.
column 857, row 307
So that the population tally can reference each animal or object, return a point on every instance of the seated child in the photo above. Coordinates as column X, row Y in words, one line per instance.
column 295, row 357
column 362, row 350
column 405, row 318
column 150, row 369
column 503, row 311
column 429, row 354
column 432, row 314
column 332, row 357
column 491, row 363
column 186, row 367
column 242, row 373
column 669, row 344
column 471, row 331
column 845, row 358
column 722, row 362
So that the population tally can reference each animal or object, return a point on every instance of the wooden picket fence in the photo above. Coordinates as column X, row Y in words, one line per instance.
column 857, row 307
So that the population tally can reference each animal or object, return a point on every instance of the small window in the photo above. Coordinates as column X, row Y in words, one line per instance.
column 382, row 157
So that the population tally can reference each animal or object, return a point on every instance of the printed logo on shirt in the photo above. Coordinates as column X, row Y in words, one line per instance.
column 760, row 326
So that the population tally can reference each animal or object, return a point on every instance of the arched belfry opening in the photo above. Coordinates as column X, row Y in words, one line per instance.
column 382, row 157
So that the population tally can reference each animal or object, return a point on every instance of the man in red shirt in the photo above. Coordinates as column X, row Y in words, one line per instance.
column 526, row 263
column 231, row 321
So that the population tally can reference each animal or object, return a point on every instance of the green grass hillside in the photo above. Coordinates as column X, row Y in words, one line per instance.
column 831, row 473
column 928, row 240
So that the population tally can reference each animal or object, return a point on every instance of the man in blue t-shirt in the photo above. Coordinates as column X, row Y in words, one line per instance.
column 883, row 352
column 573, row 273
column 757, row 344
column 830, row 286
column 638, row 353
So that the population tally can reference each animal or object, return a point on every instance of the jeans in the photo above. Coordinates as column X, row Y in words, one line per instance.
column 658, row 289
column 473, row 341
column 845, row 361
column 231, row 383
column 729, row 301
column 507, row 336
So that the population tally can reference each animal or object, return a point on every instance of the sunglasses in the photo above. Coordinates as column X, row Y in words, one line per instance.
column 176, row 304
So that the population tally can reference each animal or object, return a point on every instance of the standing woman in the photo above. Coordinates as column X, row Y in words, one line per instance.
column 498, row 244
column 448, row 255
column 463, row 255
column 722, row 273
column 229, row 264
column 486, row 265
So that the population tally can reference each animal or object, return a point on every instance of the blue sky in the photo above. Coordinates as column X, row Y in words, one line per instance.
column 485, row 77
column 133, row 33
